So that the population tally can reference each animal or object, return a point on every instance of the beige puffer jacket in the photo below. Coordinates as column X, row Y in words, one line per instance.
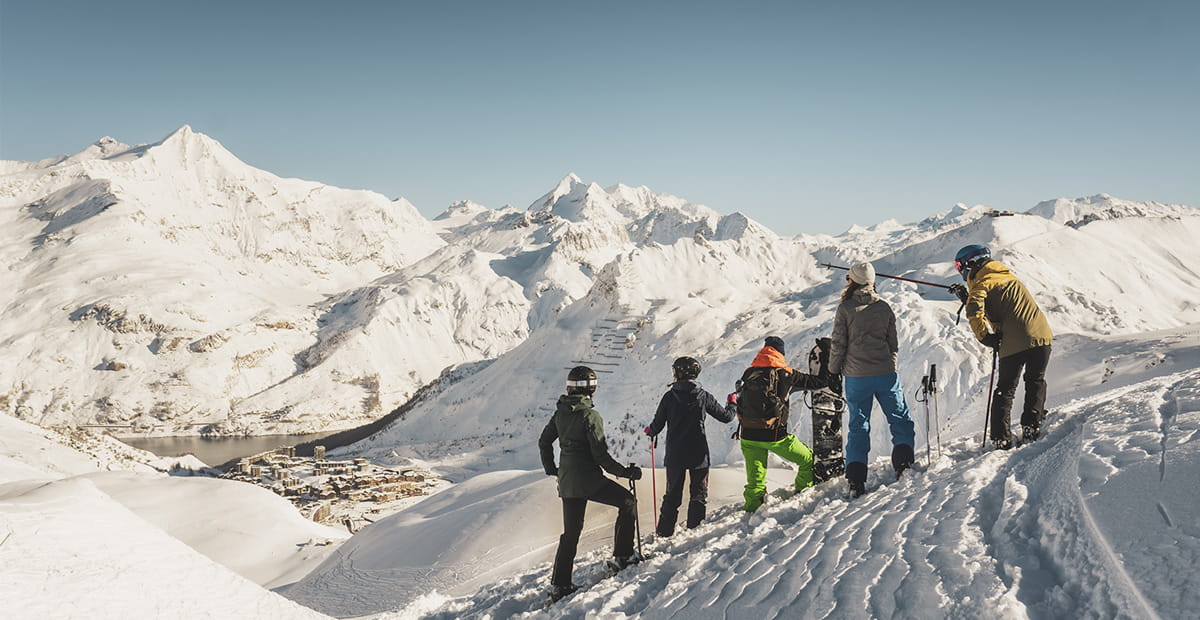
column 864, row 336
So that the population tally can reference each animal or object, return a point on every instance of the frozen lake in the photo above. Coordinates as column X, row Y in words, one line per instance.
column 219, row 450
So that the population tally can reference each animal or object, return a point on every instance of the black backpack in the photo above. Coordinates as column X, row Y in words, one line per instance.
column 760, row 405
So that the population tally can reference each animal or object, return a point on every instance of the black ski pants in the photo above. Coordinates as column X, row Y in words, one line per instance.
column 609, row 494
column 673, row 497
column 1008, row 372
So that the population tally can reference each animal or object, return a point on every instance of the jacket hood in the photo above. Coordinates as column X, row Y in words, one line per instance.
column 574, row 403
column 989, row 268
column 864, row 295
column 768, row 357
column 686, row 386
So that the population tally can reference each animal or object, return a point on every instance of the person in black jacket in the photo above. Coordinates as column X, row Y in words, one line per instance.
column 681, row 411
column 579, row 430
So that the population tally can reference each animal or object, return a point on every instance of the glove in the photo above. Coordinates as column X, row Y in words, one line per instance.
column 834, row 382
column 991, row 341
column 648, row 431
column 633, row 472
column 959, row 291
column 731, row 398
column 553, row 471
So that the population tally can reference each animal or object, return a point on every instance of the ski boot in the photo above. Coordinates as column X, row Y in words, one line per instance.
column 902, row 458
column 618, row 563
column 1002, row 444
column 856, row 476
column 1030, row 433
column 557, row 593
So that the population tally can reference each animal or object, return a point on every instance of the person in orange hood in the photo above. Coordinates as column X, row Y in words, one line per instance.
column 762, row 408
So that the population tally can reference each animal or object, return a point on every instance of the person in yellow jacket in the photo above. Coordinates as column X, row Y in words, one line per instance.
column 1004, row 317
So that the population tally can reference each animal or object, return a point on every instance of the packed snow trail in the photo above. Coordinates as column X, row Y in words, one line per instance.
column 1097, row 519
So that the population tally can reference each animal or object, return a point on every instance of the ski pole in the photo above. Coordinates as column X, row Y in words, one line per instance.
column 637, row 522
column 937, row 418
column 987, row 414
column 884, row 275
column 653, row 482
column 925, row 401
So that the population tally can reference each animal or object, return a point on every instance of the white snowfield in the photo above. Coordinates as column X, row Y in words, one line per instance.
column 77, row 541
column 173, row 289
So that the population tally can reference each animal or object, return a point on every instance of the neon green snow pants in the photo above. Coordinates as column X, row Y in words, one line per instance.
column 789, row 448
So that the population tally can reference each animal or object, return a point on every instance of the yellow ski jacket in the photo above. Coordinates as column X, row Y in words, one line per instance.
column 998, row 302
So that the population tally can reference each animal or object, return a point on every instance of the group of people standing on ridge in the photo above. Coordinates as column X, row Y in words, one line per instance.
column 863, row 355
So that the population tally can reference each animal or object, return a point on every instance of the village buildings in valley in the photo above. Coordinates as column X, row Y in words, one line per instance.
column 351, row 493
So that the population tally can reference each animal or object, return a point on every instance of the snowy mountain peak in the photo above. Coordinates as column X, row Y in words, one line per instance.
column 461, row 209
column 1077, row 212
column 570, row 186
column 191, row 145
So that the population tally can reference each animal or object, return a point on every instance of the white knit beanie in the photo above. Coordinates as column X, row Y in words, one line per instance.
column 862, row 273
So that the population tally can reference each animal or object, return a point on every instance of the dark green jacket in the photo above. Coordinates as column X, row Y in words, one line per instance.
column 998, row 302
column 580, row 434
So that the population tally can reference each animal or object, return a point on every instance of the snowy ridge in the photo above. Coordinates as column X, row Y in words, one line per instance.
column 1077, row 212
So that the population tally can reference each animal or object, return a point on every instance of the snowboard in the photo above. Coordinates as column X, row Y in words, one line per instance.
column 827, row 408
column 828, row 460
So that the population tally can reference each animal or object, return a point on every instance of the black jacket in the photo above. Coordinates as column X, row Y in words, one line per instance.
column 682, row 411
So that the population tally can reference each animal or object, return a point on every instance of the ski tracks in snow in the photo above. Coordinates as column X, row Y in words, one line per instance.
column 1078, row 524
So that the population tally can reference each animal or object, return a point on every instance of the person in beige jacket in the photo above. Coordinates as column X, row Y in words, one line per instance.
column 863, row 349
column 1004, row 316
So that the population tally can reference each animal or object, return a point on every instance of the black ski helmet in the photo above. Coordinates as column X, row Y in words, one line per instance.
column 686, row 368
column 970, row 256
column 581, row 380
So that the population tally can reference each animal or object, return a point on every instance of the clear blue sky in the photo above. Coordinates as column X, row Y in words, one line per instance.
column 807, row 116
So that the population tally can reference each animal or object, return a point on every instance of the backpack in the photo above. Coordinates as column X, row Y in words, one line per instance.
column 759, row 406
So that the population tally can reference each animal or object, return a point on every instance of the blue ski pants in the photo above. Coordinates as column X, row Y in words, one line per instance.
column 860, row 394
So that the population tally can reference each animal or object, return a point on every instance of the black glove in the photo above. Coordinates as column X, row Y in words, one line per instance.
column 959, row 291
column 633, row 472
column 991, row 341
column 553, row 471
column 834, row 382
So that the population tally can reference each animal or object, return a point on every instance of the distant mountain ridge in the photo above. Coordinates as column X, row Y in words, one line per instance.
column 172, row 288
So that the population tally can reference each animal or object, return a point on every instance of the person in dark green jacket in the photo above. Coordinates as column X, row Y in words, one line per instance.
column 584, row 457
column 1004, row 317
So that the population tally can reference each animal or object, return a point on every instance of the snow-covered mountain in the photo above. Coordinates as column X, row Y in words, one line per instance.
column 173, row 287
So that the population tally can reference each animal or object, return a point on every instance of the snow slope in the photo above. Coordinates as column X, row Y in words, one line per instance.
column 83, row 535
column 70, row 551
column 507, row 522
column 1097, row 519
